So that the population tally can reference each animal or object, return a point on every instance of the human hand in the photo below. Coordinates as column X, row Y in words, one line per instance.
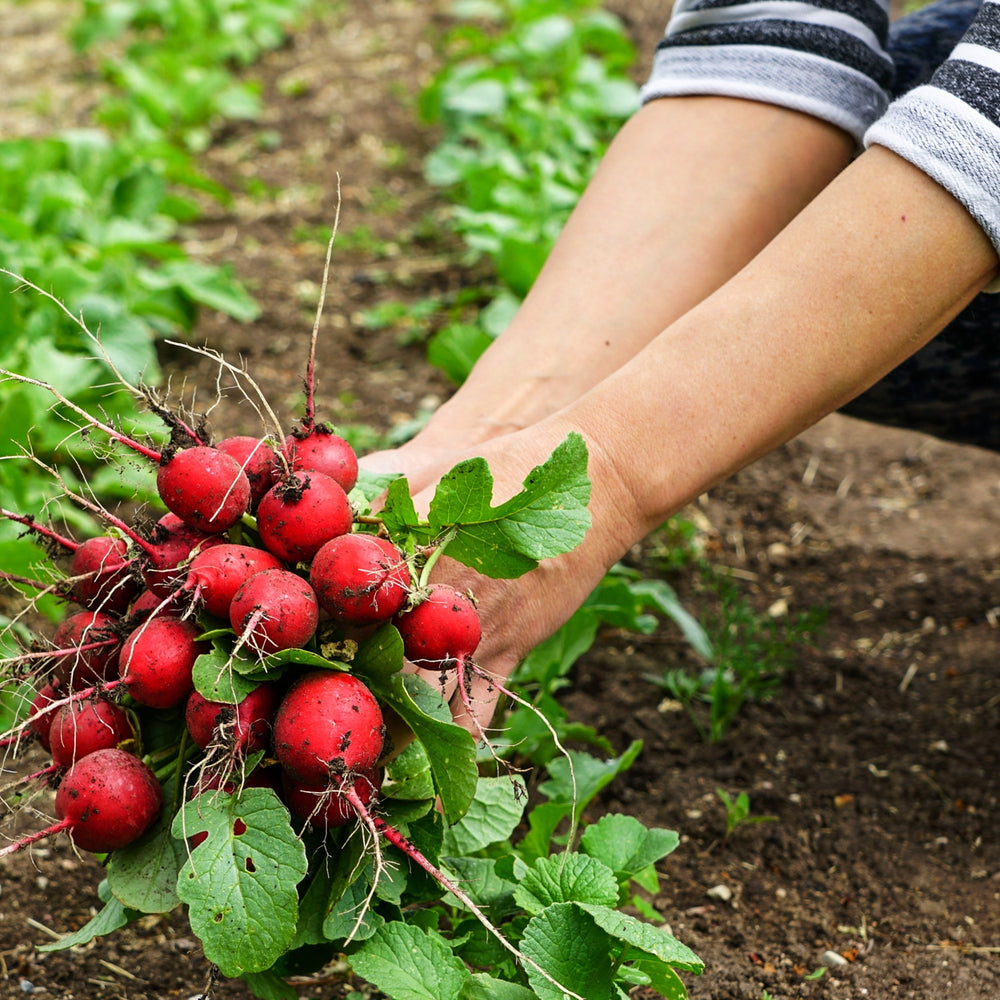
column 516, row 614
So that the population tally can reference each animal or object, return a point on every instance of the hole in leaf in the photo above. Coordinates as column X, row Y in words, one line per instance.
column 251, row 867
column 239, row 827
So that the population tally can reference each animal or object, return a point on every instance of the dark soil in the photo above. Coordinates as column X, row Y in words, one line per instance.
column 877, row 758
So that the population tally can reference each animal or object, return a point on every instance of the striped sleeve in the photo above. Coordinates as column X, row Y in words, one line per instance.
column 827, row 57
column 950, row 126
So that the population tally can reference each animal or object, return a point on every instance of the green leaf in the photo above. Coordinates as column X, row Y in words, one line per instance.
column 484, row 884
column 451, row 749
column 547, row 518
column 112, row 917
column 209, row 286
column 661, row 595
column 456, row 348
column 215, row 678
column 371, row 485
column 542, row 822
column 343, row 920
column 240, row 883
column 655, row 942
column 625, row 845
column 269, row 986
column 571, row 948
column 411, row 776
column 493, row 816
column 408, row 963
column 398, row 513
column 662, row 978
column 591, row 775
column 484, row 987
column 143, row 875
column 564, row 878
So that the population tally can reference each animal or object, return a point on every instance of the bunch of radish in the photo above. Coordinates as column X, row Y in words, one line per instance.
column 243, row 640
column 257, row 540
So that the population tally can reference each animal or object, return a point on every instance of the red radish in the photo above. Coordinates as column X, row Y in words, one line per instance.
column 103, row 561
column 204, row 487
column 328, row 724
column 171, row 547
column 157, row 658
column 257, row 459
column 441, row 629
column 301, row 512
column 107, row 566
column 320, row 450
column 148, row 603
column 171, row 525
column 216, row 574
column 360, row 579
column 80, row 728
column 87, row 646
column 40, row 721
column 274, row 609
column 245, row 726
column 107, row 800
column 325, row 805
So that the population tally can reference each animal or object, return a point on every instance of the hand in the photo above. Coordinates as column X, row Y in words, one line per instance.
column 518, row 614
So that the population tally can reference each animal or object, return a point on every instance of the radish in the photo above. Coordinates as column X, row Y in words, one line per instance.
column 325, row 806
column 274, row 609
column 301, row 512
column 170, row 548
column 441, row 630
column 360, row 579
column 40, row 721
column 328, row 724
column 204, row 487
column 257, row 459
column 216, row 574
column 80, row 728
column 148, row 604
column 245, row 726
column 87, row 647
column 107, row 800
column 320, row 450
column 100, row 566
column 156, row 661
column 106, row 566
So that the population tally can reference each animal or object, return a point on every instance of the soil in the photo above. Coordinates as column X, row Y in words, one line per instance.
column 879, row 873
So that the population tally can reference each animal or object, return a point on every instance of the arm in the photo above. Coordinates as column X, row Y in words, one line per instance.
column 690, row 190
column 866, row 274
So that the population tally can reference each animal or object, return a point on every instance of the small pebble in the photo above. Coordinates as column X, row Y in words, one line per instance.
column 832, row 958
column 721, row 892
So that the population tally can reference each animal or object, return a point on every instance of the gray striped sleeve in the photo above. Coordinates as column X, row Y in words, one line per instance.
column 950, row 127
column 826, row 58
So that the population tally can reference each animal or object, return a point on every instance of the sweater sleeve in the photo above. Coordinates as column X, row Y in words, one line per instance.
column 826, row 58
column 950, row 126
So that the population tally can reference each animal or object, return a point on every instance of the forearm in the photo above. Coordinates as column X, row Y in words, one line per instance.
column 864, row 276
column 690, row 190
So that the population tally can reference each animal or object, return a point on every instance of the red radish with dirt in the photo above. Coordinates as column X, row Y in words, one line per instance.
column 81, row 727
column 328, row 724
column 274, row 609
column 360, row 579
column 106, row 801
column 300, row 513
